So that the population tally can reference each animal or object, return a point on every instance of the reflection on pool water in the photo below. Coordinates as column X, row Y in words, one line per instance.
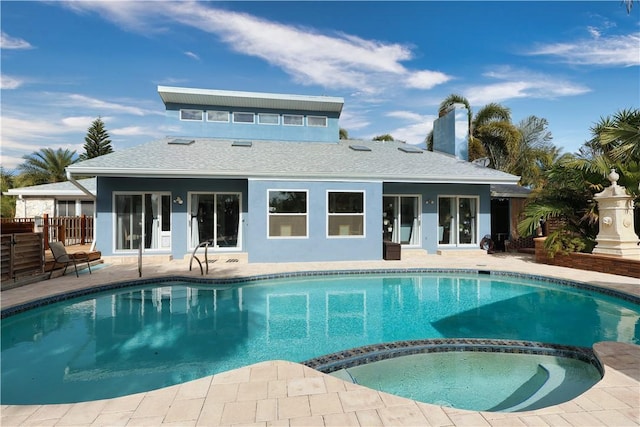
column 479, row 381
column 138, row 339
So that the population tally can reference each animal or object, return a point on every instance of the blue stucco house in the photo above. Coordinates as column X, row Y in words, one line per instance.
column 267, row 177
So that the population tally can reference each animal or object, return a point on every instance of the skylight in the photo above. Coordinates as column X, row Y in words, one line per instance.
column 181, row 141
column 241, row 144
column 410, row 149
column 359, row 148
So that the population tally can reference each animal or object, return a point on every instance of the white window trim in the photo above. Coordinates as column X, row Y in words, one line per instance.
column 191, row 120
column 240, row 221
column 115, row 221
column 457, row 244
column 326, row 121
column 244, row 112
column 269, row 214
column 292, row 115
column 269, row 114
column 216, row 121
column 364, row 216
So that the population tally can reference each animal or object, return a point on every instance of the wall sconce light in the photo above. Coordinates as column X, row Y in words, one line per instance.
column 178, row 200
column 428, row 202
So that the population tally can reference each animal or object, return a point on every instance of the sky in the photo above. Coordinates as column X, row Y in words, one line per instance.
column 63, row 64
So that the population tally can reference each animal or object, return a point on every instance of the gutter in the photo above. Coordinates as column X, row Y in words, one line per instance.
column 93, row 197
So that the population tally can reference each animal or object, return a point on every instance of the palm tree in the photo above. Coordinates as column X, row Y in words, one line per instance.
column 497, row 136
column 383, row 138
column 46, row 166
column 535, row 152
column 573, row 180
column 620, row 135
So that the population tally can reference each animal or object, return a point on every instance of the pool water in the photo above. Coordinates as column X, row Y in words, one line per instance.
column 138, row 339
column 478, row 381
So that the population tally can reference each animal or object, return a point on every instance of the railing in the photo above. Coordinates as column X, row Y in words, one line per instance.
column 72, row 230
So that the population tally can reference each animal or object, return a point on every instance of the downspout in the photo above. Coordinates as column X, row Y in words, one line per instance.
column 93, row 197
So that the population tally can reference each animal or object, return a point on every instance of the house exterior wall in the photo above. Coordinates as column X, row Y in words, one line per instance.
column 231, row 130
column 429, row 211
column 32, row 207
column 317, row 246
column 180, row 216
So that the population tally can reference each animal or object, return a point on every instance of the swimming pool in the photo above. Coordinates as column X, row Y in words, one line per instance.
column 91, row 347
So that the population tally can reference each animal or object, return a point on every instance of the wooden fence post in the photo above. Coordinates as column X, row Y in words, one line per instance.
column 83, row 229
column 45, row 230
column 62, row 234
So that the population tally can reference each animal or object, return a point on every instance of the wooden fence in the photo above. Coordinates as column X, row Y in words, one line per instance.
column 21, row 254
column 72, row 230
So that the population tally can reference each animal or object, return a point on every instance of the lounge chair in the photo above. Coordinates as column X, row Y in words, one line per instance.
column 60, row 256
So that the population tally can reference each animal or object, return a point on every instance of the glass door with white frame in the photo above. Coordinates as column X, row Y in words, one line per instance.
column 401, row 219
column 215, row 218
column 457, row 220
column 143, row 219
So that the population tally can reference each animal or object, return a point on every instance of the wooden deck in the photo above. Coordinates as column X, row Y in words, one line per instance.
column 71, row 249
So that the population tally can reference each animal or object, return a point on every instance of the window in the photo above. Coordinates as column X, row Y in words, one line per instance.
column 287, row 213
column 345, row 213
column 458, row 220
column 193, row 115
column 268, row 119
column 317, row 121
column 292, row 120
column 218, row 116
column 243, row 118
column 142, row 218
column 66, row 208
column 86, row 208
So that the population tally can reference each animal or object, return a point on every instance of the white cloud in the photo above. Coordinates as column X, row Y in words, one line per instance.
column 77, row 123
column 337, row 60
column 9, row 82
column 132, row 131
column 416, row 130
column 426, row 79
column 353, row 121
column 192, row 55
column 8, row 42
column 614, row 51
column 78, row 100
column 521, row 84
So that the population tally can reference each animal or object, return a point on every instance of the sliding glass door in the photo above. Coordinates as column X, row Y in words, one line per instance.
column 215, row 218
column 401, row 219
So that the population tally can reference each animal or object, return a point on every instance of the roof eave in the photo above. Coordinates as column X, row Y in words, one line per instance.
column 179, row 173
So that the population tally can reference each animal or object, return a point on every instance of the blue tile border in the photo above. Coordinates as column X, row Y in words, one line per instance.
column 251, row 279
column 376, row 352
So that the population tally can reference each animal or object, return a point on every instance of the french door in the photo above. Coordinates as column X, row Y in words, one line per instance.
column 401, row 219
column 143, row 219
column 458, row 220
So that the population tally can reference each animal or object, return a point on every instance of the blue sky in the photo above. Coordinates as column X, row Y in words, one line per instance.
column 66, row 63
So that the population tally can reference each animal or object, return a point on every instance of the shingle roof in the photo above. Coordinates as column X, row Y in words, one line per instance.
column 218, row 158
